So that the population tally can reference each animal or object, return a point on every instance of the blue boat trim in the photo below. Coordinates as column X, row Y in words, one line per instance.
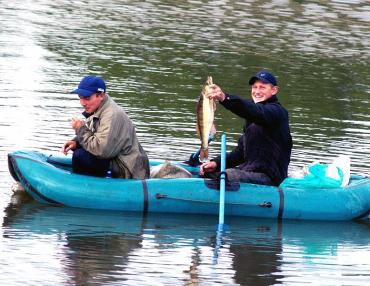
column 29, row 186
column 63, row 165
column 11, row 168
column 281, row 204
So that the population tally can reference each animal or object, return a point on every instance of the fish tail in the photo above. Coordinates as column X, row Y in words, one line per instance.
column 203, row 156
column 213, row 130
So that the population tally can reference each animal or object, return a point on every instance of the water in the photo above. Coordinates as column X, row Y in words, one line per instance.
column 154, row 56
column 66, row 246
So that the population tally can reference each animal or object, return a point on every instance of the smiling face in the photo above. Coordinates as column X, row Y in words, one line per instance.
column 262, row 91
column 92, row 103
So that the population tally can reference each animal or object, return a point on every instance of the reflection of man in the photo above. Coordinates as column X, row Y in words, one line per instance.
column 97, row 259
column 107, row 139
column 257, row 262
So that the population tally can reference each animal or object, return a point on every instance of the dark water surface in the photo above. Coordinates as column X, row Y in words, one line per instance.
column 154, row 56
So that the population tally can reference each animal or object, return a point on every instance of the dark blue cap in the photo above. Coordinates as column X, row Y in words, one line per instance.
column 265, row 77
column 89, row 85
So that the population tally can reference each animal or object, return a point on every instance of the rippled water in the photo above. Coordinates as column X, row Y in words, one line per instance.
column 65, row 246
column 155, row 56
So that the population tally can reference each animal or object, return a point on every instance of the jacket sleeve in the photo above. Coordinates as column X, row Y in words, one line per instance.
column 233, row 158
column 263, row 114
column 109, row 138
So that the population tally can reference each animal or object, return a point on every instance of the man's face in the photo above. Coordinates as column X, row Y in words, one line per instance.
column 92, row 103
column 262, row 91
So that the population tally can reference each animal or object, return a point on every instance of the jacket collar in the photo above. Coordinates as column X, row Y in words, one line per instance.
column 272, row 99
column 100, row 109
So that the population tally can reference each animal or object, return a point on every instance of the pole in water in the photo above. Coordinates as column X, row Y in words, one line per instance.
column 221, row 213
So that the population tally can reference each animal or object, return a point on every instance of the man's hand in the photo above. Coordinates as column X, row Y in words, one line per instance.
column 215, row 92
column 77, row 123
column 69, row 145
column 207, row 167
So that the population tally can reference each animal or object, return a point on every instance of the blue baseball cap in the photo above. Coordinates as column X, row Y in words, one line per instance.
column 89, row 85
column 265, row 77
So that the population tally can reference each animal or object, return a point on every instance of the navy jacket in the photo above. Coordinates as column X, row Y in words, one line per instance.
column 266, row 145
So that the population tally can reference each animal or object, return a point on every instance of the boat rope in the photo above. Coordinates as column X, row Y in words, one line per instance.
column 282, row 203
column 163, row 196
column 145, row 195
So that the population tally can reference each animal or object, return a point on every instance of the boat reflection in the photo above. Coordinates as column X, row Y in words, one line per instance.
column 104, row 246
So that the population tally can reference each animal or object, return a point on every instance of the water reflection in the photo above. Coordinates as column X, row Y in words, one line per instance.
column 97, row 258
column 107, row 247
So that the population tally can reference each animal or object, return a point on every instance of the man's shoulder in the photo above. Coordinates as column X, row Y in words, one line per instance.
column 116, row 111
column 110, row 106
column 274, row 102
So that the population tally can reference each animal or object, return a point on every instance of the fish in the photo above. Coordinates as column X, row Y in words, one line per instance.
column 168, row 170
column 206, row 129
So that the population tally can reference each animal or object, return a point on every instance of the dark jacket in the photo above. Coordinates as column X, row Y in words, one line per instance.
column 266, row 145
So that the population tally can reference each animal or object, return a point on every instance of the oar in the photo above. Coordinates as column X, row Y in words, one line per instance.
column 221, row 212
column 194, row 158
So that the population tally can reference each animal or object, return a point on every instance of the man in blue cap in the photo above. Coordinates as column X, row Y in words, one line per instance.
column 263, row 152
column 106, row 140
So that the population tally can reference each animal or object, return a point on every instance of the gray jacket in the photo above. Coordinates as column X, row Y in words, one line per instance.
column 110, row 134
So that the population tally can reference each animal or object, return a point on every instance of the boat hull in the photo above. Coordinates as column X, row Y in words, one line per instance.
column 48, row 179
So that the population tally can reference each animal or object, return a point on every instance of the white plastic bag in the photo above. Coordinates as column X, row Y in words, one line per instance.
column 343, row 164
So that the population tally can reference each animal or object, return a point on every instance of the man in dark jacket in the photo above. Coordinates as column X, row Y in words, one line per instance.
column 263, row 152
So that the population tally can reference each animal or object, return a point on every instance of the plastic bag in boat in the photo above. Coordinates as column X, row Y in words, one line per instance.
column 319, row 175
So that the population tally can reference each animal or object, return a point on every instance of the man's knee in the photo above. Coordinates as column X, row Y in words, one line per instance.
column 242, row 176
column 83, row 162
column 79, row 155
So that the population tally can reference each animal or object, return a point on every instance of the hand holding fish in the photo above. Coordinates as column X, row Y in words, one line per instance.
column 215, row 92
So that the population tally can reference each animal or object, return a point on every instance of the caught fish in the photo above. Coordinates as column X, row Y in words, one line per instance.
column 206, row 108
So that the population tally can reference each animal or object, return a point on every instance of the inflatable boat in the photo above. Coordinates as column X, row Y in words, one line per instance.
column 48, row 179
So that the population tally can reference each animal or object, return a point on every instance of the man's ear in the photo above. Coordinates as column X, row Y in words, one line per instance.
column 275, row 90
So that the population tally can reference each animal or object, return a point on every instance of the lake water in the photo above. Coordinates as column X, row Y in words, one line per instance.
column 155, row 56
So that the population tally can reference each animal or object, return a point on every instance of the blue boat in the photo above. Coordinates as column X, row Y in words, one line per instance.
column 48, row 179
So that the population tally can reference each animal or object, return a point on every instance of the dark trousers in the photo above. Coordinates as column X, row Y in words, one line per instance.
column 83, row 162
column 238, row 175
